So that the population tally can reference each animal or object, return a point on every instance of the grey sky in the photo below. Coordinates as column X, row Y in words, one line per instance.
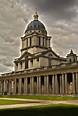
column 59, row 16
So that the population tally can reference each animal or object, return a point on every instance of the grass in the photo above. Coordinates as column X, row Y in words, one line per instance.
column 58, row 98
column 8, row 102
column 50, row 110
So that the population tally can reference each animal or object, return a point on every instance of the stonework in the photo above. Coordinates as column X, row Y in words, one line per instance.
column 39, row 70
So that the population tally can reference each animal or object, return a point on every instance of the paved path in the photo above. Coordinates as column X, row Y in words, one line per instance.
column 38, row 103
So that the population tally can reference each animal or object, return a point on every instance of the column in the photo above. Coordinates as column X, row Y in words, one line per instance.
column 66, row 84
column 41, row 41
column 56, row 85
column 19, row 88
column 47, row 84
column 9, row 83
column 28, row 42
column 73, row 78
column 24, row 85
column 4, row 86
column 30, row 85
column 62, row 83
column 15, row 83
column 77, row 82
column 39, row 84
column 12, row 86
column 1, row 87
column 53, row 83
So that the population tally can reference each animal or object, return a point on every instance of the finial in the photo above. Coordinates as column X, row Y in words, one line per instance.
column 71, row 52
column 36, row 15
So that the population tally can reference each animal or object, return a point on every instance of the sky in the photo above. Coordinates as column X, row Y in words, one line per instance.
column 60, row 18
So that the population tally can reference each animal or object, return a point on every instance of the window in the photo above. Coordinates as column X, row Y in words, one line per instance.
column 39, row 41
column 73, row 60
column 30, row 41
column 17, row 66
column 26, row 62
column 70, row 60
column 21, row 65
column 27, row 42
column 37, row 59
column 32, row 62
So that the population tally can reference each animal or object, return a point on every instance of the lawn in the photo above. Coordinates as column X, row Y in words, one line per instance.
column 50, row 110
column 8, row 102
column 58, row 98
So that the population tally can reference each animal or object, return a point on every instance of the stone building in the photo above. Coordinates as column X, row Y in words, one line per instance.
column 39, row 70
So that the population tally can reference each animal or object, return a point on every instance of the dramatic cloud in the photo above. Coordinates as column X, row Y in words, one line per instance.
column 13, row 19
column 60, row 9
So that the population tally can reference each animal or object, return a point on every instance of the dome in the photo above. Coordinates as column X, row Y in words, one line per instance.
column 35, row 24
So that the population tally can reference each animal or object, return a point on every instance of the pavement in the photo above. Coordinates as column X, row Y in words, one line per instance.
column 35, row 103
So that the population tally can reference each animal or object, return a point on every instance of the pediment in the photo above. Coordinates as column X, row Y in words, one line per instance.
column 24, row 55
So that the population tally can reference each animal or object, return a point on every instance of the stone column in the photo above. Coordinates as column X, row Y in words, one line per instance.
column 1, row 88
column 15, row 87
column 19, row 88
column 77, row 82
column 66, row 84
column 30, row 85
column 9, row 86
column 4, row 86
column 63, row 85
column 28, row 42
column 73, row 84
column 56, row 85
column 47, row 84
column 24, row 85
column 53, row 83
column 39, row 84
column 12, row 86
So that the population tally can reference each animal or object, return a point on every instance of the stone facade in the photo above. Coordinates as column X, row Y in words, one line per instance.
column 39, row 70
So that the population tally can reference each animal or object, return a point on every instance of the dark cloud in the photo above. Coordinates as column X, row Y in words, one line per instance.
column 60, row 9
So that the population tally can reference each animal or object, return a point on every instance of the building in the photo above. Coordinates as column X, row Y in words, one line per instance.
column 39, row 70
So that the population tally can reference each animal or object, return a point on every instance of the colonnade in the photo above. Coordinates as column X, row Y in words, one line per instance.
column 56, row 84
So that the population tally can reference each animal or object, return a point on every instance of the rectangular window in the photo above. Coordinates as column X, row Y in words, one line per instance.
column 17, row 66
column 39, row 41
column 30, row 41
column 21, row 65
column 27, row 42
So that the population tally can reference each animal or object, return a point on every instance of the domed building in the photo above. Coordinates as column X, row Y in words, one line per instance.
column 39, row 70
